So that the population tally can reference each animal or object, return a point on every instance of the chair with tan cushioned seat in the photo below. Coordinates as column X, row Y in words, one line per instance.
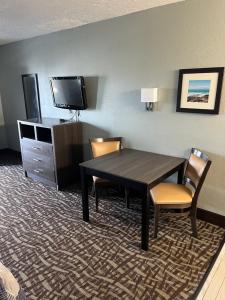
column 99, row 147
column 181, row 196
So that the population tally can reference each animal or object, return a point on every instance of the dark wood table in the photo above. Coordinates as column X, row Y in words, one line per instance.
column 136, row 169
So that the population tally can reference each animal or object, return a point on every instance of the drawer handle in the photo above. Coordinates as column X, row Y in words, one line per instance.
column 36, row 159
column 36, row 148
column 38, row 171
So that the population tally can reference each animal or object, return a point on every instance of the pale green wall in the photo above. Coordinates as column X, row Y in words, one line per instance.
column 120, row 56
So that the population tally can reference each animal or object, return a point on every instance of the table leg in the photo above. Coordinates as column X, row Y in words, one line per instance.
column 127, row 193
column 180, row 175
column 145, row 220
column 84, row 185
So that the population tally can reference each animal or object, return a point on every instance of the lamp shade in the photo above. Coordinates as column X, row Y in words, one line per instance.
column 149, row 94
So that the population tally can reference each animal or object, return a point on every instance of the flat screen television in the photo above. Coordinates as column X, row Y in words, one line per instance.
column 69, row 92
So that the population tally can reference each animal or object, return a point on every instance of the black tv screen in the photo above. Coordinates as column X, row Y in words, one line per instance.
column 69, row 92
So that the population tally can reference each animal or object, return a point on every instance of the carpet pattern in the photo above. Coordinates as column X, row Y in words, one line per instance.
column 55, row 255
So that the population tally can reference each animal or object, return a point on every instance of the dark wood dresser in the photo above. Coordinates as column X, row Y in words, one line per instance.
column 51, row 150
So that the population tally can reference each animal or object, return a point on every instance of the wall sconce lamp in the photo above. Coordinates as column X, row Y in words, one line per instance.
column 149, row 96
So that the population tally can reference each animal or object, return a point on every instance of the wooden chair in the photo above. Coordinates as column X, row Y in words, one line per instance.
column 99, row 147
column 181, row 196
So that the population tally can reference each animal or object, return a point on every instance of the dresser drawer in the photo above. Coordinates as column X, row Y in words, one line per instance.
column 36, row 147
column 38, row 160
column 39, row 170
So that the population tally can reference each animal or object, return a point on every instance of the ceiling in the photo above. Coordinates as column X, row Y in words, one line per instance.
column 21, row 19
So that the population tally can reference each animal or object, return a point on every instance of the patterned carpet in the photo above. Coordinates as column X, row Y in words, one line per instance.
column 55, row 255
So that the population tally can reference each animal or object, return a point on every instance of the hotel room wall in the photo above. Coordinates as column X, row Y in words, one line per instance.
column 119, row 56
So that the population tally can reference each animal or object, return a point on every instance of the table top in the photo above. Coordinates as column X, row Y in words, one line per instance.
column 140, row 166
column 47, row 122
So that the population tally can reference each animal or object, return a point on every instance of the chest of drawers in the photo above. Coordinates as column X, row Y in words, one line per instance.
column 51, row 150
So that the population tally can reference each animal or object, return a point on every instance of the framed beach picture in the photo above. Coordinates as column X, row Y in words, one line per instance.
column 199, row 90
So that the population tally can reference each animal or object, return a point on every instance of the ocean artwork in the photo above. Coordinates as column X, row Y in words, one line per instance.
column 198, row 91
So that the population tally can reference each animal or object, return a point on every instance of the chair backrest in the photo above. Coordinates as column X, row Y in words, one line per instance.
column 102, row 146
column 197, row 169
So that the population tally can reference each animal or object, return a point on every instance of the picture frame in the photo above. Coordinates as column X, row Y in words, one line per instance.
column 199, row 90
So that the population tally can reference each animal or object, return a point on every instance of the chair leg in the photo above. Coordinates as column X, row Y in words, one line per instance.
column 194, row 223
column 93, row 189
column 96, row 198
column 127, row 200
column 156, row 220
